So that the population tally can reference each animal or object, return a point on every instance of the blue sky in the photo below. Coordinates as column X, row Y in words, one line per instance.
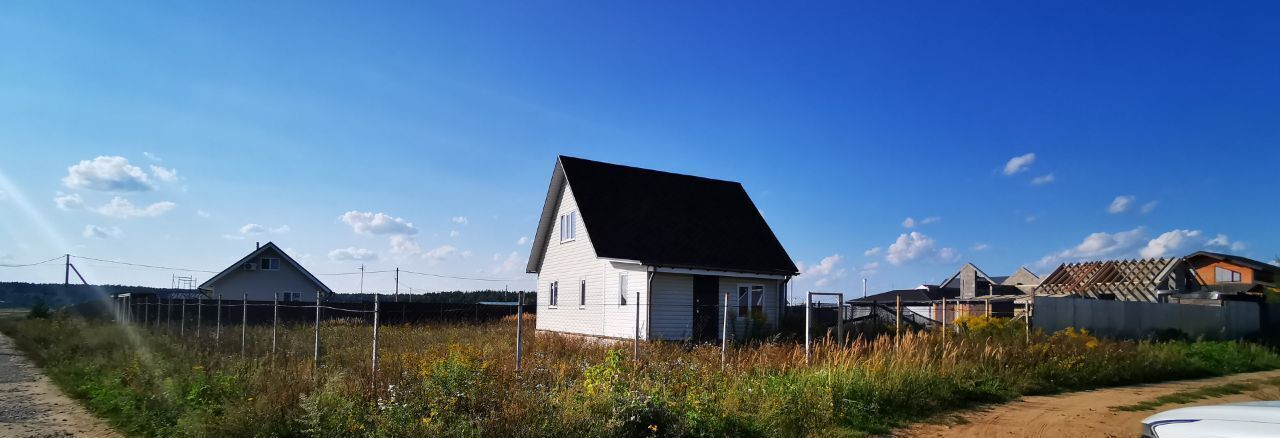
column 1006, row 132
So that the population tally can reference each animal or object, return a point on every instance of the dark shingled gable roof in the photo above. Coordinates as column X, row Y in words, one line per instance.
column 667, row 219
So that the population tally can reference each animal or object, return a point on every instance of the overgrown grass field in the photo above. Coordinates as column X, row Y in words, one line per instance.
column 459, row 380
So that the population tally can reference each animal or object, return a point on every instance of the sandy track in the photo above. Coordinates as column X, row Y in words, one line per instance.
column 31, row 406
column 1082, row 414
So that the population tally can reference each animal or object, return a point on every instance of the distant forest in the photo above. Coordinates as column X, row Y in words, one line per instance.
column 25, row 295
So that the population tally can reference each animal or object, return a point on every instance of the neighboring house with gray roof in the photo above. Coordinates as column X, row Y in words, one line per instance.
column 264, row 274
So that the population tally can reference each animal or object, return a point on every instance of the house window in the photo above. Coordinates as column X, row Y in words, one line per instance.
column 291, row 296
column 622, row 289
column 568, row 226
column 582, row 293
column 1223, row 275
column 750, row 300
column 269, row 264
column 555, row 293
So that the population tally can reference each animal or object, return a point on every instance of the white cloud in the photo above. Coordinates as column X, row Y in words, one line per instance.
column 1098, row 245
column 152, row 157
column 283, row 229
column 1275, row 262
column 824, row 267
column 232, row 237
column 96, row 232
column 164, row 174
column 1030, row 218
column 112, row 174
column 352, row 254
column 1019, row 163
column 1169, row 243
column 440, row 253
column 1120, row 204
column 869, row 269
column 377, row 223
column 462, row 220
column 912, row 223
column 522, row 240
column 252, row 229
column 514, row 262
column 910, row 247
column 66, row 201
column 1221, row 240
column 122, row 208
column 454, row 233
column 467, row 254
column 1042, row 180
column 404, row 246
column 202, row 213
column 871, row 252
column 981, row 247
column 1148, row 207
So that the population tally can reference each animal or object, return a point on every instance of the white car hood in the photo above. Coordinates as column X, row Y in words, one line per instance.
column 1260, row 412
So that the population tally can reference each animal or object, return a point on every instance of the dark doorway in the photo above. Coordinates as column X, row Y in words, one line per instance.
column 706, row 291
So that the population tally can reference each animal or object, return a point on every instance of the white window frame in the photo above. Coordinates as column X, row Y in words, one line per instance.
column 274, row 264
column 752, row 296
column 1233, row 276
column 568, row 227
column 622, row 289
column 582, row 293
column 553, row 298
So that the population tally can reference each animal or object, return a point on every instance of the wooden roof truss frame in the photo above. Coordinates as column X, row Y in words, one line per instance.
column 1126, row 280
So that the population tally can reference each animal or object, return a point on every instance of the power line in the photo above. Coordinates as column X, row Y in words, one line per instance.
column 30, row 264
column 455, row 277
column 145, row 266
column 358, row 272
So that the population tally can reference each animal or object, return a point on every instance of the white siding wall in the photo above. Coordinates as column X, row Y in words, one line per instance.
column 740, row 325
column 672, row 311
column 620, row 320
column 569, row 263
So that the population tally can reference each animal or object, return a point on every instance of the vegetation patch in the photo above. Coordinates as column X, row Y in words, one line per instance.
column 459, row 380
column 1201, row 393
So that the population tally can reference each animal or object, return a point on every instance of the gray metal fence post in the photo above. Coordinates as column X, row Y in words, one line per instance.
column 316, row 353
column 145, row 311
column 244, row 321
column 275, row 321
column 168, row 316
column 808, row 329
column 182, row 322
column 199, row 314
column 519, row 329
column 217, row 330
column 635, row 344
column 375, row 342
column 724, row 333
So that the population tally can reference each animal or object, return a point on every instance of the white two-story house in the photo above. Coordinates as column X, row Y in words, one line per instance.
column 622, row 252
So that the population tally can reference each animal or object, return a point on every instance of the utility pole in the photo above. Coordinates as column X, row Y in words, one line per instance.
column 316, row 353
column 375, row 342
column 362, row 278
column 66, row 277
column 396, row 297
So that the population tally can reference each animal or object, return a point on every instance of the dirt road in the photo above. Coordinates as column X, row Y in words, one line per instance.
column 31, row 406
column 1086, row 413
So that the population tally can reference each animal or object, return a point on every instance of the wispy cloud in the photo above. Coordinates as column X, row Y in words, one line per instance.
column 461, row 220
column 96, row 232
column 124, row 209
column 111, row 174
column 377, row 223
column 915, row 246
column 352, row 254
column 1042, row 180
column 1120, row 204
column 1019, row 163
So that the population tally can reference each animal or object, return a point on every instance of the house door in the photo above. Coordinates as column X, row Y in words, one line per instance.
column 706, row 292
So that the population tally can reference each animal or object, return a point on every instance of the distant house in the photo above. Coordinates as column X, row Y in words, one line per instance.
column 1200, row 276
column 970, row 291
column 621, row 250
column 1232, row 274
column 262, row 274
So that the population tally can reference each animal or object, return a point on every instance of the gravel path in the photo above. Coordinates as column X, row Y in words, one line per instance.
column 31, row 406
column 1085, row 413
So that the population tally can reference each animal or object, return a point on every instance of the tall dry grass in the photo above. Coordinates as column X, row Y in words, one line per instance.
column 460, row 380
